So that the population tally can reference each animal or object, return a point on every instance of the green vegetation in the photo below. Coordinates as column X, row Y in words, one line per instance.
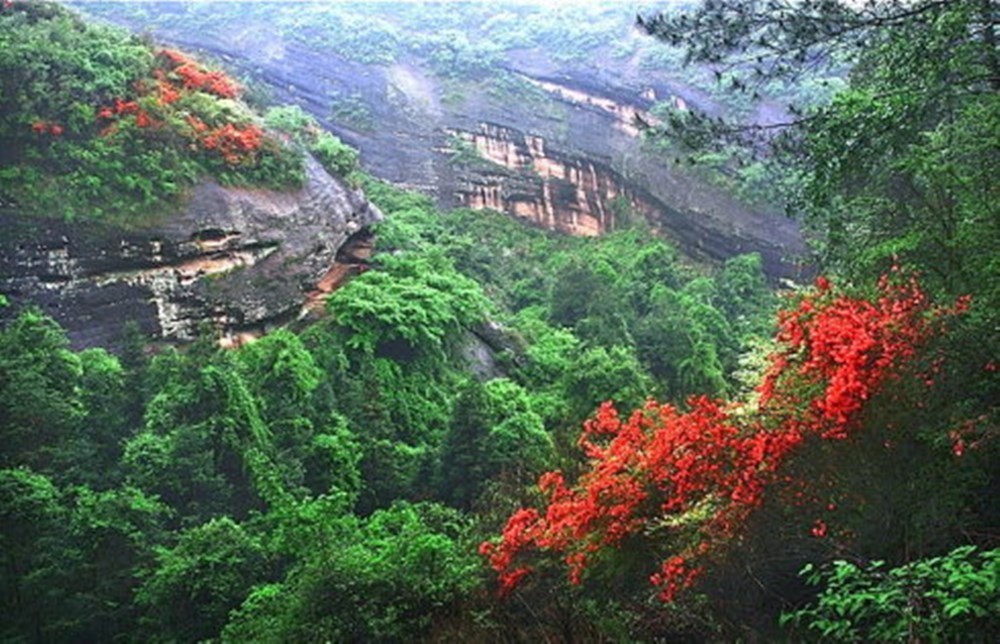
column 935, row 599
column 474, row 50
column 352, row 111
column 95, row 123
column 249, row 493
column 332, row 153
column 332, row 484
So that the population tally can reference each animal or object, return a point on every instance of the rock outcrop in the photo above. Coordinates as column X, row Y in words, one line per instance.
column 520, row 174
column 584, row 116
column 241, row 259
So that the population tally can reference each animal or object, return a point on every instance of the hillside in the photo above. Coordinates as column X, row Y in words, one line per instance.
column 138, row 186
column 525, row 111
column 253, row 391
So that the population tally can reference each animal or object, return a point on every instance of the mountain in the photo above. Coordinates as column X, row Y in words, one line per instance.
column 137, row 185
column 523, row 110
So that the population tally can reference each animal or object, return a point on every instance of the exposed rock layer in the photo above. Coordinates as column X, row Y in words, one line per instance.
column 240, row 259
column 522, row 175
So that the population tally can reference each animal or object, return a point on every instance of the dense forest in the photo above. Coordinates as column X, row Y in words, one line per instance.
column 496, row 432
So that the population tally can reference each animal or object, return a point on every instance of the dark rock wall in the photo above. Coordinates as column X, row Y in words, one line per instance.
column 241, row 259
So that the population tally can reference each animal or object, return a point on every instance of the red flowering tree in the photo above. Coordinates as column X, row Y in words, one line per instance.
column 187, row 73
column 689, row 479
column 156, row 104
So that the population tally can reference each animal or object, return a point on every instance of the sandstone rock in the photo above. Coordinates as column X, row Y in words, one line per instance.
column 241, row 259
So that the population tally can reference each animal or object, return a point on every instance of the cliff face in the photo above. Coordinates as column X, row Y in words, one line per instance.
column 558, row 151
column 241, row 259
column 521, row 174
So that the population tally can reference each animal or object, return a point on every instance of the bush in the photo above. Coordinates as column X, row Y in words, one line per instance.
column 954, row 597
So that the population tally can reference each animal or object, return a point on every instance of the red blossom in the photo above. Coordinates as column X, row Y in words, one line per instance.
column 836, row 353
column 193, row 76
column 125, row 107
column 47, row 127
column 142, row 119
column 166, row 93
column 233, row 143
column 174, row 56
column 674, row 576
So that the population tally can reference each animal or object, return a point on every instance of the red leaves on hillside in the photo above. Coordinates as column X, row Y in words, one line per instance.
column 47, row 127
column 698, row 474
column 122, row 108
column 193, row 76
column 233, row 143
column 177, row 77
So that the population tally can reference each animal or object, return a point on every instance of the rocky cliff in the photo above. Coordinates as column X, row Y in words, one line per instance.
column 243, row 260
column 558, row 138
column 521, row 174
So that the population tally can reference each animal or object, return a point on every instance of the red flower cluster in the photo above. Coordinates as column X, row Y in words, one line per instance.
column 233, row 143
column 661, row 468
column 674, row 576
column 125, row 108
column 178, row 75
column 658, row 463
column 46, row 127
column 193, row 76
column 850, row 347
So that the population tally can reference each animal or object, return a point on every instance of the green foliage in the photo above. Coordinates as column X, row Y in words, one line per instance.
column 39, row 403
column 915, row 183
column 417, row 301
column 387, row 579
column 952, row 597
column 452, row 54
column 352, row 111
column 494, row 431
column 350, row 35
column 598, row 374
column 337, row 157
column 194, row 585
column 30, row 518
column 464, row 153
column 268, row 493
column 233, row 484
column 206, row 450
column 112, row 535
column 68, row 150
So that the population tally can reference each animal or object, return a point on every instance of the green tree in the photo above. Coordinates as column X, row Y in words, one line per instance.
column 407, row 305
column 40, row 407
column 387, row 579
column 686, row 342
column 494, row 431
column 105, row 401
column 194, row 585
column 598, row 374
column 32, row 547
column 205, row 449
column 112, row 533
column 334, row 155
